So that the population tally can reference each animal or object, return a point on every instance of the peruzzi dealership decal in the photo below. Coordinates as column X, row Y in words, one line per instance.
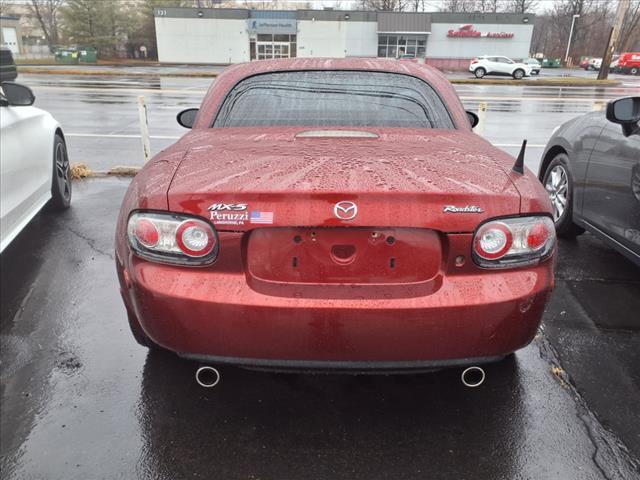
column 467, row 31
column 229, row 213
column 237, row 214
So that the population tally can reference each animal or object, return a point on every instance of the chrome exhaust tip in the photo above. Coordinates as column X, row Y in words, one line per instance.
column 472, row 377
column 207, row 377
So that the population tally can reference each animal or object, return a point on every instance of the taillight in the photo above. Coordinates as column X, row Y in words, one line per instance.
column 493, row 240
column 195, row 238
column 146, row 233
column 475, row 60
column 172, row 238
column 512, row 242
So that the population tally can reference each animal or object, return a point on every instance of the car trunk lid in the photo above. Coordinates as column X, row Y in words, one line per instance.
column 245, row 178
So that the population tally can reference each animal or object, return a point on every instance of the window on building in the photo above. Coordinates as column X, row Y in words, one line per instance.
column 394, row 46
column 270, row 46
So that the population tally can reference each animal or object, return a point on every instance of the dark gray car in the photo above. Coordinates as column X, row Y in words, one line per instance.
column 8, row 69
column 591, row 170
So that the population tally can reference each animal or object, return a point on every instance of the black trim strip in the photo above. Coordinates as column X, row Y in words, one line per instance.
column 339, row 364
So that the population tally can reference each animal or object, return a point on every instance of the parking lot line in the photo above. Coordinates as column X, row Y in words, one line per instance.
column 120, row 135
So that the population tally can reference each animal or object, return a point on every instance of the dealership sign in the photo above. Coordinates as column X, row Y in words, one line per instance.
column 467, row 31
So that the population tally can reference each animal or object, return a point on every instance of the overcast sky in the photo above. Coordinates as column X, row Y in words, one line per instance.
column 430, row 5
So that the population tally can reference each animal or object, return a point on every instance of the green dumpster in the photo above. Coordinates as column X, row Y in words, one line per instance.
column 88, row 55
column 67, row 56
column 551, row 63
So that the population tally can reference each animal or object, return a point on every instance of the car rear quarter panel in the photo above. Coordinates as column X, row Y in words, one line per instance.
column 577, row 139
column 148, row 191
column 27, row 166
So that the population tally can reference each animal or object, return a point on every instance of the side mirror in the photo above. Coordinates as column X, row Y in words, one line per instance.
column 18, row 95
column 626, row 112
column 473, row 118
column 187, row 117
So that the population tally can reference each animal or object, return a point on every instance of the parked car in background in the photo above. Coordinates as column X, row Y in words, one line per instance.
column 593, row 64
column 629, row 63
column 34, row 166
column 535, row 65
column 584, row 62
column 591, row 170
column 354, row 208
column 8, row 70
column 496, row 65
column 613, row 66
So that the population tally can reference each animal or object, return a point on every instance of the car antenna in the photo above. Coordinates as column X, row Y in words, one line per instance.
column 518, row 167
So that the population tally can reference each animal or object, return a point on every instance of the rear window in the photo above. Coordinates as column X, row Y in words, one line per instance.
column 333, row 98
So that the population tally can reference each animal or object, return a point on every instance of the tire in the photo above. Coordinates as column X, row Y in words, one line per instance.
column 479, row 72
column 635, row 182
column 558, row 183
column 518, row 74
column 634, row 71
column 61, row 180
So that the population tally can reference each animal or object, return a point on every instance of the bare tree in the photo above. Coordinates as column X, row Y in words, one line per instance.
column 46, row 12
column 416, row 5
column 523, row 6
column 630, row 32
column 591, row 29
column 457, row 6
column 487, row 6
column 385, row 5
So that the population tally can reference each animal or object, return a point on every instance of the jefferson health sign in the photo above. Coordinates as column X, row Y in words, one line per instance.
column 273, row 25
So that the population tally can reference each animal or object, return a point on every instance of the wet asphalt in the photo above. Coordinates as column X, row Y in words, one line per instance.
column 81, row 400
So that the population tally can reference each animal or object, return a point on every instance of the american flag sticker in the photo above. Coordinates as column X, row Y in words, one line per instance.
column 261, row 217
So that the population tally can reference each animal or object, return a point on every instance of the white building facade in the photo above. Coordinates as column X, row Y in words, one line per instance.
column 226, row 36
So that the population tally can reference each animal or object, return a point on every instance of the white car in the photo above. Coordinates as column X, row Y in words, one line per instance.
column 594, row 64
column 34, row 166
column 496, row 65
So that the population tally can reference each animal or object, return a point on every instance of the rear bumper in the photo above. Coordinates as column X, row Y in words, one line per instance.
column 215, row 316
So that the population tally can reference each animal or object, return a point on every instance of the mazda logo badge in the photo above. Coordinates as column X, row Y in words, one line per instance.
column 345, row 210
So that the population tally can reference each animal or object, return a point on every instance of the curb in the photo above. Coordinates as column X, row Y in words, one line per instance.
column 574, row 82
column 123, row 171
column 118, row 171
column 119, row 73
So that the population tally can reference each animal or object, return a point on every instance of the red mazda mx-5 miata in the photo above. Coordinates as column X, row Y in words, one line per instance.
column 334, row 214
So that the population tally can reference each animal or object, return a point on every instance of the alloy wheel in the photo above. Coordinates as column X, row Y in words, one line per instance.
column 557, row 186
column 62, row 171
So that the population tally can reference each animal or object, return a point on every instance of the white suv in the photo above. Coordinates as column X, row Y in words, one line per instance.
column 495, row 65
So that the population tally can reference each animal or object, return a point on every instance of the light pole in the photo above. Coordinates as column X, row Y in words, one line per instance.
column 573, row 21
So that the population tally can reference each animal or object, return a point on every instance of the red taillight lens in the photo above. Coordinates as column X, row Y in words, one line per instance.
column 537, row 236
column 195, row 238
column 475, row 60
column 146, row 232
column 512, row 242
column 493, row 240
column 172, row 238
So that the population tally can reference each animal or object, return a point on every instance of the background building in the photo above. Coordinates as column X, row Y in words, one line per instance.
column 225, row 36
column 10, row 36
